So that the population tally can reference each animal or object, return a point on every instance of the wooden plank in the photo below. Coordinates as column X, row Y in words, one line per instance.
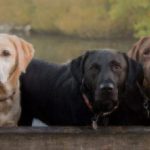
column 75, row 138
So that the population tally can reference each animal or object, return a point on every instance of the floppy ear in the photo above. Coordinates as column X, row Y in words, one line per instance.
column 77, row 67
column 134, row 51
column 135, row 73
column 25, row 51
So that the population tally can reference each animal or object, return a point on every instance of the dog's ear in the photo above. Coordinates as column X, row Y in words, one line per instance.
column 135, row 73
column 77, row 66
column 25, row 51
column 134, row 51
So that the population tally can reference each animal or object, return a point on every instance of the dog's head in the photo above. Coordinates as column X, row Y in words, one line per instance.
column 141, row 53
column 15, row 54
column 103, row 75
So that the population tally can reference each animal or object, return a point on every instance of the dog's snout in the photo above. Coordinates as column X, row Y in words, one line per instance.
column 106, row 86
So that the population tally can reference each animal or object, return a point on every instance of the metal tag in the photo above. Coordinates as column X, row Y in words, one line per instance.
column 94, row 124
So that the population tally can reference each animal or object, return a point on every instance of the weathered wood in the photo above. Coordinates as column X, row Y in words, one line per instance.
column 75, row 138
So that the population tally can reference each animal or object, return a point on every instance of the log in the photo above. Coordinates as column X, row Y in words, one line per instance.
column 75, row 138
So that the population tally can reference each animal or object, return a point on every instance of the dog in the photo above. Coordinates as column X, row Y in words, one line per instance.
column 15, row 55
column 140, row 52
column 96, row 84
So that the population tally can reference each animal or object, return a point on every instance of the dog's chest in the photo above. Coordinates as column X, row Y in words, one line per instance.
column 10, row 110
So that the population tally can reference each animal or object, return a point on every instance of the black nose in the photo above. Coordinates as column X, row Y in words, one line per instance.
column 106, row 86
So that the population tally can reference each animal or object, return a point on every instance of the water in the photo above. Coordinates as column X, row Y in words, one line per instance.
column 61, row 49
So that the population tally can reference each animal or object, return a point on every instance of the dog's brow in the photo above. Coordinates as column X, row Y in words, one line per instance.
column 95, row 65
column 115, row 62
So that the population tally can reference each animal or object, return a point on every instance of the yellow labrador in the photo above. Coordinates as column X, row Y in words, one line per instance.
column 15, row 55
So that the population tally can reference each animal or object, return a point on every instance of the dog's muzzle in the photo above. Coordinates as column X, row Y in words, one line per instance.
column 106, row 100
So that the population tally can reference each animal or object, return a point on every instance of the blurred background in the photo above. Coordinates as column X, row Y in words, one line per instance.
column 63, row 29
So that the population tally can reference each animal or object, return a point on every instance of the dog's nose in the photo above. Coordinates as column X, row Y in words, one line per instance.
column 106, row 86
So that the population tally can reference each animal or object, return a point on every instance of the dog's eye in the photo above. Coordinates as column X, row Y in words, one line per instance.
column 95, row 67
column 115, row 66
column 147, row 51
column 5, row 53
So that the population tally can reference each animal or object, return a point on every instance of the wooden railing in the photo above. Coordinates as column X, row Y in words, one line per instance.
column 75, row 138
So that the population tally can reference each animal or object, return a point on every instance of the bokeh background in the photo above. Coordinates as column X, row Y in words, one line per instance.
column 62, row 29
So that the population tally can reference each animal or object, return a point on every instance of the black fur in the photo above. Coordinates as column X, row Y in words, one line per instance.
column 53, row 94
column 50, row 93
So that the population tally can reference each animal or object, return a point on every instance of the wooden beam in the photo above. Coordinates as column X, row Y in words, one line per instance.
column 75, row 138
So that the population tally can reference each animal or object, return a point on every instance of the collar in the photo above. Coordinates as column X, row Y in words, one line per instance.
column 87, row 102
column 8, row 97
column 104, row 119
column 96, row 116
column 85, row 98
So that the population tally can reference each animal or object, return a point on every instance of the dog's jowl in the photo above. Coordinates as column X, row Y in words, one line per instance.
column 97, row 84
column 15, row 54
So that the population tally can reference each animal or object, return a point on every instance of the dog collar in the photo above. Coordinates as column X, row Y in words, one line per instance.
column 8, row 97
column 105, row 120
column 87, row 102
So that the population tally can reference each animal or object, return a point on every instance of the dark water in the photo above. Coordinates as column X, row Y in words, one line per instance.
column 60, row 49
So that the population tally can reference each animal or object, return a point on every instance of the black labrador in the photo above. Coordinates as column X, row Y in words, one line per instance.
column 98, row 83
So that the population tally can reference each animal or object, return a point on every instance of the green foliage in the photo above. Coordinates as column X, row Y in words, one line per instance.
column 132, row 16
column 84, row 18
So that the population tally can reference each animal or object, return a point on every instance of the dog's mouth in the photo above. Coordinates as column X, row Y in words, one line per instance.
column 110, row 94
column 105, row 113
column 106, row 102
column 105, row 108
column 102, row 114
